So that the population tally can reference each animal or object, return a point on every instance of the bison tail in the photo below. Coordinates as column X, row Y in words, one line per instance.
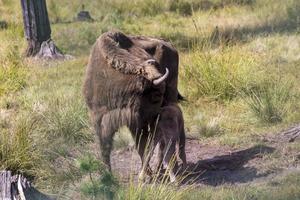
column 180, row 97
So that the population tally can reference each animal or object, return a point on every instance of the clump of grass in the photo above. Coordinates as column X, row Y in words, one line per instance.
column 181, row 7
column 18, row 150
column 269, row 102
column 66, row 120
column 203, row 127
column 220, row 75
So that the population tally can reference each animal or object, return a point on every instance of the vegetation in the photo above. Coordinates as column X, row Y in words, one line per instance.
column 239, row 69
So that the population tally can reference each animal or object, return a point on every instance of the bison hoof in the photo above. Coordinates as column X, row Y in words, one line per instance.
column 142, row 177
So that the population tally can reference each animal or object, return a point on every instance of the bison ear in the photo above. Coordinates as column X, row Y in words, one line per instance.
column 123, row 41
column 151, row 51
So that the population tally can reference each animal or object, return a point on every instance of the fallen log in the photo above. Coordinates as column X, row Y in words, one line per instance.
column 291, row 134
column 17, row 187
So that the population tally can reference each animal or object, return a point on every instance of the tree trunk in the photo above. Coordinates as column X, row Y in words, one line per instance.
column 36, row 24
column 38, row 31
column 17, row 187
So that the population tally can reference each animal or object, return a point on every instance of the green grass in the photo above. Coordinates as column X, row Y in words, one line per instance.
column 220, row 74
column 18, row 151
column 269, row 103
column 13, row 72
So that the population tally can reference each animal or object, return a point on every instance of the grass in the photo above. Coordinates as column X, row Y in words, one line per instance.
column 278, row 189
column 220, row 74
column 17, row 149
column 235, row 58
column 13, row 72
column 269, row 104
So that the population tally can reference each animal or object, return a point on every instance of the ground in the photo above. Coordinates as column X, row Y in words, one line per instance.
column 212, row 164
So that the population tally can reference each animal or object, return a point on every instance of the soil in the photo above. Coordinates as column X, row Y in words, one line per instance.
column 211, row 164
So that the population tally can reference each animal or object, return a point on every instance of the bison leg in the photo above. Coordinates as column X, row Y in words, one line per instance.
column 102, row 133
column 105, row 134
column 160, row 157
column 181, row 150
column 169, row 161
column 145, row 149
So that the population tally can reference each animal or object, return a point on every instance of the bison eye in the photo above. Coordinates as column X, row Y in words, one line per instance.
column 152, row 62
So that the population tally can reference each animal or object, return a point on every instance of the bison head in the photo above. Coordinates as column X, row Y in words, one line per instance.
column 150, row 70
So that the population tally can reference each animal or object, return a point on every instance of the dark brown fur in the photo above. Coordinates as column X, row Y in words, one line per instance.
column 118, row 86
column 170, row 136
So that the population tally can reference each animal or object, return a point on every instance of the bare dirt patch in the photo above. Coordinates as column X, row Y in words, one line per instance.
column 212, row 164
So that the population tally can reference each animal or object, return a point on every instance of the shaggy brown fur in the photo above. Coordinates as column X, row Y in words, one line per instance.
column 170, row 136
column 118, row 86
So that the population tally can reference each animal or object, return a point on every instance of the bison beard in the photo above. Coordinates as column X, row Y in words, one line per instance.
column 120, row 88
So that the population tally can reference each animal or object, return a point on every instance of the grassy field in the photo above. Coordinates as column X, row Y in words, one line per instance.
column 239, row 70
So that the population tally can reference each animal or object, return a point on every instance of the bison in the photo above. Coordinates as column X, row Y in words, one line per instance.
column 128, row 79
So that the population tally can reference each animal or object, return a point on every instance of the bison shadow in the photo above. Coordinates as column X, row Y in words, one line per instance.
column 228, row 168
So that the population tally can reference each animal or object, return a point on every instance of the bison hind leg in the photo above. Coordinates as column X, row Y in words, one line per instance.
column 110, row 122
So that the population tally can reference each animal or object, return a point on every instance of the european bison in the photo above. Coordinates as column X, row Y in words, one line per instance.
column 170, row 136
column 128, row 79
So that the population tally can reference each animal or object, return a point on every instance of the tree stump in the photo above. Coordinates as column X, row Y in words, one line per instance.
column 3, row 24
column 49, row 50
column 84, row 15
column 17, row 187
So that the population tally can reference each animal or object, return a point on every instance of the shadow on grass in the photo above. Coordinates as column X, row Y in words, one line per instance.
column 228, row 168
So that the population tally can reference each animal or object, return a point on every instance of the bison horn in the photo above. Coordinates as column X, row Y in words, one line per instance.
column 161, row 79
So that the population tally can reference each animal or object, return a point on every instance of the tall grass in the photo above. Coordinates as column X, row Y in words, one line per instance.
column 219, row 74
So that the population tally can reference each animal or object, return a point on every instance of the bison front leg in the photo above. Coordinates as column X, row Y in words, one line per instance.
column 145, row 149
column 159, row 166
column 169, row 161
